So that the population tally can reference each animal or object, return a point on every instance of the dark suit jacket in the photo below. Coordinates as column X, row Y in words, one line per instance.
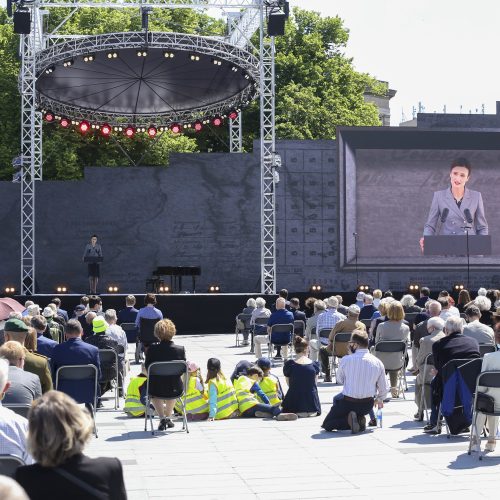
column 103, row 474
column 298, row 315
column 75, row 352
column 454, row 346
column 367, row 311
column 165, row 351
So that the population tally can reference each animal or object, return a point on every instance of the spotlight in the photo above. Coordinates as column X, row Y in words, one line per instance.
column 142, row 53
column 10, row 290
column 197, row 126
column 234, row 69
column 164, row 289
column 152, row 131
column 106, row 130
column 50, row 70
column 84, row 126
column 168, row 55
column 112, row 55
column 68, row 63
column 194, row 57
column 213, row 289
column 175, row 128
column 246, row 76
column 88, row 58
column 216, row 62
column 112, row 289
column 216, row 121
column 458, row 286
column 61, row 289
column 315, row 288
column 363, row 288
column 65, row 123
column 129, row 131
column 413, row 288
column 233, row 114
column 49, row 116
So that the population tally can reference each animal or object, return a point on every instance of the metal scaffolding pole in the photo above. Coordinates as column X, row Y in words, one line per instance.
column 267, row 153
column 235, row 136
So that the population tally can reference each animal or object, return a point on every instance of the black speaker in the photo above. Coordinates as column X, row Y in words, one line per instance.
column 276, row 24
column 22, row 22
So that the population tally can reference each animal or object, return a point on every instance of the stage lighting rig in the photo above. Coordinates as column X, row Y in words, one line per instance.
column 129, row 131
column 64, row 122
column 315, row 288
column 49, row 117
column 363, row 288
column 50, row 69
column 152, row 131
column 84, row 126
column 198, row 126
column 217, row 121
column 216, row 62
column 142, row 53
column 413, row 288
column 88, row 58
column 61, row 289
column 194, row 57
column 68, row 63
column 233, row 114
column 168, row 54
column 214, row 288
column 176, row 128
column 112, row 55
column 457, row 287
column 106, row 130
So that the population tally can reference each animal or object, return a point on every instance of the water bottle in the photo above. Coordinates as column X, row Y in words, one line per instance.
column 379, row 418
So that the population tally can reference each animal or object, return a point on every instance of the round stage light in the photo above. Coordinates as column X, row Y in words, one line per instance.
column 10, row 289
column 68, row 63
column 49, row 116
column 152, row 131
column 112, row 55
column 233, row 114
column 65, row 123
column 84, row 126
column 88, row 58
column 216, row 121
column 106, row 130
column 61, row 289
column 142, row 53
column 198, row 126
column 175, row 128
column 315, row 288
column 129, row 131
column 50, row 70
column 168, row 55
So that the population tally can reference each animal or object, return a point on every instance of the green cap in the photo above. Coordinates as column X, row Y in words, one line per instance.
column 15, row 325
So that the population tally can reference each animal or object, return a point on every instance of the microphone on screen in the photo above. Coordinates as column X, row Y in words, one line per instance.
column 444, row 215
column 468, row 216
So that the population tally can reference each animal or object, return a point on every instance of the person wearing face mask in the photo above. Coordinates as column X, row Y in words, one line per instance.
column 456, row 206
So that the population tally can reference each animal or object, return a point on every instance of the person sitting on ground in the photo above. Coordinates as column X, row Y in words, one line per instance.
column 259, row 312
column 301, row 376
column 24, row 386
column 314, row 343
column 53, row 330
column 13, row 427
column 165, row 350
column 129, row 313
column 241, row 369
column 251, row 305
column 408, row 302
column 44, row 345
column 363, row 377
column 196, row 396
column 60, row 312
column 298, row 315
column 17, row 330
column 368, row 308
column 58, row 432
column 477, row 330
column 347, row 325
column 269, row 384
column 135, row 400
column 393, row 329
column 221, row 394
column 115, row 331
column 247, row 389
column 434, row 326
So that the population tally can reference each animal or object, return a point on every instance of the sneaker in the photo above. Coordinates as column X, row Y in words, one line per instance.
column 170, row 424
column 263, row 414
column 162, row 425
column 286, row 417
column 327, row 378
column 352, row 421
column 362, row 423
column 432, row 429
column 372, row 423
column 245, row 343
column 394, row 392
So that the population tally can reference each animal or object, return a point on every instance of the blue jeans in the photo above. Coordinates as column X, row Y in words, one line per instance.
column 250, row 413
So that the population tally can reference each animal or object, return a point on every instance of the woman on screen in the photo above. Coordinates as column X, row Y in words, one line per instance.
column 456, row 207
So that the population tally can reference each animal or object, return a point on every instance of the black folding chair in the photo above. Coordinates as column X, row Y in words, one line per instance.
column 367, row 323
column 485, row 380
column 242, row 326
column 131, row 332
column 20, row 409
column 158, row 372
column 410, row 317
column 260, row 322
column 392, row 364
column 9, row 465
column 486, row 349
column 338, row 339
column 145, row 337
column 110, row 364
column 299, row 327
column 70, row 379
column 282, row 335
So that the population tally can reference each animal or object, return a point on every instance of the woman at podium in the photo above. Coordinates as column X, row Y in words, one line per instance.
column 456, row 207
column 93, row 255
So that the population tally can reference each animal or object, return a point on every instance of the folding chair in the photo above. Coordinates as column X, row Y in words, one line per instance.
column 9, row 465
column 488, row 379
column 299, row 327
column 158, row 371
column 19, row 408
column 469, row 369
column 486, row 348
column 242, row 325
column 368, row 324
column 110, row 357
column 392, row 363
column 339, row 339
column 71, row 379
column 428, row 362
column 131, row 332
column 410, row 317
column 145, row 337
column 260, row 322
column 282, row 335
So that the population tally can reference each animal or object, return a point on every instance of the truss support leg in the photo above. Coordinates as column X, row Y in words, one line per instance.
column 235, row 136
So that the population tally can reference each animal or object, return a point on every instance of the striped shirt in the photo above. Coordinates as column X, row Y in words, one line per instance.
column 363, row 376
column 328, row 319
column 13, row 429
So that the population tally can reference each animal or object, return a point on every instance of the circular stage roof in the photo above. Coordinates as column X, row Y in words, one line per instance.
column 141, row 78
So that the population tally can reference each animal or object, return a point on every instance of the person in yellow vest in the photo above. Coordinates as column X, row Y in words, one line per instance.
column 135, row 401
column 270, row 384
column 248, row 393
column 222, row 400
column 196, row 396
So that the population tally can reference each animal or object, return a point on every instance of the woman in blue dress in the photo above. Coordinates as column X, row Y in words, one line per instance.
column 301, row 375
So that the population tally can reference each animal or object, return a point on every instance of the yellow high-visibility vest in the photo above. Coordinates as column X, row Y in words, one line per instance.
column 196, row 402
column 269, row 386
column 246, row 399
column 227, row 403
column 133, row 405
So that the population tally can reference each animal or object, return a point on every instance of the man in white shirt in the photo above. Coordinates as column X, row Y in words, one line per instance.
column 477, row 330
column 363, row 377
column 115, row 331
column 447, row 309
column 13, row 427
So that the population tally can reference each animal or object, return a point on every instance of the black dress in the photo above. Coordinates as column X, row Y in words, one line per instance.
column 302, row 395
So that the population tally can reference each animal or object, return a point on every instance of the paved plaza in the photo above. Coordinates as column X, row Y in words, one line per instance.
column 264, row 459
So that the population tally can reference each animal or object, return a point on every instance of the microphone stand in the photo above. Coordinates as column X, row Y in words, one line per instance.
column 466, row 229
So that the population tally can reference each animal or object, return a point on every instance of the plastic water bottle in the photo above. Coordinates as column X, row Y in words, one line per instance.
column 379, row 417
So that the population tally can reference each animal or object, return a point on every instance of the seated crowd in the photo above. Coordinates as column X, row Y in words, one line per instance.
column 37, row 342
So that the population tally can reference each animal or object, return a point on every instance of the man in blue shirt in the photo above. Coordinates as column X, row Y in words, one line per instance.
column 280, row 317
column 149, row 311
column 129, row 313
column 44, row 345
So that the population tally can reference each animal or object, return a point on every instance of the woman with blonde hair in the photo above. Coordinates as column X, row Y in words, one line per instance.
column 58, row 432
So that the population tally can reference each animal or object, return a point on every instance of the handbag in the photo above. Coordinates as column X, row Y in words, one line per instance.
column 485, row 403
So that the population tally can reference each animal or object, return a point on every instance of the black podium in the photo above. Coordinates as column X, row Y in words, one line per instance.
column 92, row 260
column 457, row 244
